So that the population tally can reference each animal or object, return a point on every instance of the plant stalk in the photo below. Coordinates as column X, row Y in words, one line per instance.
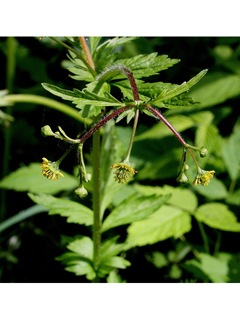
column 204, row 236
column 30, row 98
column 133, row 134
column 87, row 53
column 10, row 75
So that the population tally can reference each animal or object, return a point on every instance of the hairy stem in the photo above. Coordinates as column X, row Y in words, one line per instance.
column 96, row 201
column 103, row 122
column 164, row 120
column 10, row 75
column 30, row 98
column 87, row 53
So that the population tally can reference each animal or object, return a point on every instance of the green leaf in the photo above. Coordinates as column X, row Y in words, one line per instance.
column 217, row 215
column 79, row 261
column 117, row 262
column 231, row 154
column 114, row 278
column 31, row 179
column 234, row 198
column 22, row 215
column 85, row 97
column 159, row 260
column 215, row 190
column 134, row 208
column 185, row 86
column 146, row 65
column 216, row 88
column 94, row 42
column 208, row 267
column 209, row 137
column 75, row 212
column 160, row 130
column 166, row 222
column 181, row 198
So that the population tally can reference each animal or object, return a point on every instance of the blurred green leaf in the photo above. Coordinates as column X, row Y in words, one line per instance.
column 31, row 179
column 22, row 215
column 74, row 211
column 231, row 154
column 113, row 277
column 134, row 208
column 166, row 222
column 181, row 198
column 214, row 191
column 160, row 130
column 158, row 259
column 209, row 267
column 217, row 215
column 216, row 88
column 234, row 198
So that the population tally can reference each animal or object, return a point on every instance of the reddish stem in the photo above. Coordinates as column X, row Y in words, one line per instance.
column 164, row 120
column 103, row 121
column 87, row 53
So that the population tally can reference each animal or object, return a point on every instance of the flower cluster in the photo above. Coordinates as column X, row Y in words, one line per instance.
column 203, row 177
column 50, row 169
column 123, row 172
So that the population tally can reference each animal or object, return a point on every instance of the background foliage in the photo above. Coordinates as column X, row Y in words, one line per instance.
column 207, row 216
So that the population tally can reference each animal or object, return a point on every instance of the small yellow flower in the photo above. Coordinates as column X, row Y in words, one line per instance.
column 123, row 172
column 50, row 169
column 203, row 177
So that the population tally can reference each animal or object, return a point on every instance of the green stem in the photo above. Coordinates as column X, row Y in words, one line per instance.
column 133, row 134
column 204, row 236
column 96, row 200
column 232, row 186
column 30, row 98
column 77, row 54
column 218, row 243
column 10, row 72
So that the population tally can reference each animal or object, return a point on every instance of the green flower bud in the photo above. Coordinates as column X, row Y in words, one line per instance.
column 182, row 178
column 203, row 152
column 81, row 192
column 89, row 176
column 185, row 167
column 46, row 131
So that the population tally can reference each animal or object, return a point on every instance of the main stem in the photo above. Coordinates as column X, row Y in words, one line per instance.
column 10, row 75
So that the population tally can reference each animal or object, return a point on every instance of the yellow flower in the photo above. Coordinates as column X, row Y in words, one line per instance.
column 123, row 172
column 203, row 177
column 50, row 169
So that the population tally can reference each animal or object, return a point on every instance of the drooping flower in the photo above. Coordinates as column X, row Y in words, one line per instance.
column 203, row 177
column 123, row 172
column 50, row 169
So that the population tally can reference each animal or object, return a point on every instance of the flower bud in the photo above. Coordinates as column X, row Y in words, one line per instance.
column 46, row 131
column 185, row 167
column 81, row 192
column 182, row 178
column 203, row 152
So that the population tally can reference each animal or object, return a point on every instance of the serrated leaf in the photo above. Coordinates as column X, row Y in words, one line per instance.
column 185, row 86
column 117, row 262
column 166, row 222
column 160, row 130
column 146, row 65
column 83, row 247
column 134, row 208
column 114, row 278
column 217, row 215
column 74, row 211
column 181, row 198
column 31, row 179
column 211, row 267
